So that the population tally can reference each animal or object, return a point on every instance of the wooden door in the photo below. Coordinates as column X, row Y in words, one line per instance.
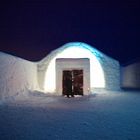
column 72, row 82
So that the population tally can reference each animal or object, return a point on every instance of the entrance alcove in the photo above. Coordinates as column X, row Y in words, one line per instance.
column 68, row 67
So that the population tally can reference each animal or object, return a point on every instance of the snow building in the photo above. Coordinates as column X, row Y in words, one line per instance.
column 78, row 67
column 130, row 75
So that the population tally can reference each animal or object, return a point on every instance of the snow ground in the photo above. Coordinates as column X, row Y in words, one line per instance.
column 110, row 116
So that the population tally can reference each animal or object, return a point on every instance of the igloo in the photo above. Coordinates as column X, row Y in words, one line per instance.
column 87, row 69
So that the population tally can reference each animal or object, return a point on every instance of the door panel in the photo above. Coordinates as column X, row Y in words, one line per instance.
column 67, row 82
column 78, row 82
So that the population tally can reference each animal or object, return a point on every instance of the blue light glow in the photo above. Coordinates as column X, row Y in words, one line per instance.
column 77, row 50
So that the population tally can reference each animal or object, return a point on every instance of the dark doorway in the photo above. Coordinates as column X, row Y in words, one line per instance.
column 72, row 82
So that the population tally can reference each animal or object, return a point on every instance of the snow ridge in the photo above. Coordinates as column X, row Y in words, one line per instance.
column 17, row 76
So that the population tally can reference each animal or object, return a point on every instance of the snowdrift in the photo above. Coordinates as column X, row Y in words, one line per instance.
column 17, row 76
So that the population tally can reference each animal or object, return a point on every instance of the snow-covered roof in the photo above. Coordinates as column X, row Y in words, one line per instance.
column 92, row 49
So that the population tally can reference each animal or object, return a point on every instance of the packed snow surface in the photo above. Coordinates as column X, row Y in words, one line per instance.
column 109, row 116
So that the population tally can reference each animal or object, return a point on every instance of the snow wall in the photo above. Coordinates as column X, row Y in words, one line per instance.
column 131, row 76
column 16, row 76
column 110, row 66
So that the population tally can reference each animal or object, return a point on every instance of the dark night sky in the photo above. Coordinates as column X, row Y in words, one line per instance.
column 31, row 29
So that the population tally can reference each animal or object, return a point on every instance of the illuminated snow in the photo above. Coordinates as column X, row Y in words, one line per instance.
column 96, row 73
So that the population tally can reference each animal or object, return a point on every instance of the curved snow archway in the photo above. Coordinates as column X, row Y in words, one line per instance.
column 76, row 50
